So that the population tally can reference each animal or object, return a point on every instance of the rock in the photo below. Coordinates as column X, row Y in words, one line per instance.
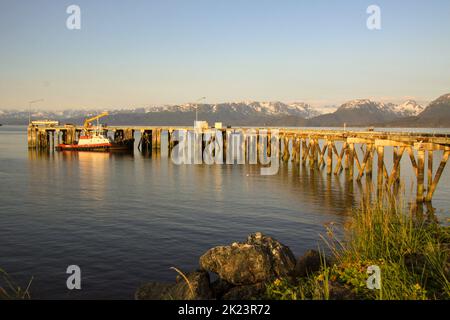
column 154, row 291
column 282, row 258
column 259, row 259
column 237, row 264
column 309, row 263
column 197, row 289
column 248, row 292
column 220, row 287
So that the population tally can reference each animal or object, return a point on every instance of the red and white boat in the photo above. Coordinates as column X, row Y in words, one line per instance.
column 94, row 142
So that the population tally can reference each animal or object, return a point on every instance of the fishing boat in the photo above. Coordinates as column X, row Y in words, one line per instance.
column 94, row 140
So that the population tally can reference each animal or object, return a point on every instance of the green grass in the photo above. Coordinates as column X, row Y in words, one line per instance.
column 9, row 290
column 411, row 250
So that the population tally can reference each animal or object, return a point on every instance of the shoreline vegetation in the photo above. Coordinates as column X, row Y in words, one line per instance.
column 411, row 250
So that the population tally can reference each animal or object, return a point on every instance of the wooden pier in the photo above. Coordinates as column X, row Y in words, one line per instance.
column 334, row 150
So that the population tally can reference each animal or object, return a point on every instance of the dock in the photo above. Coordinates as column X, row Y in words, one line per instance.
column 331, row 150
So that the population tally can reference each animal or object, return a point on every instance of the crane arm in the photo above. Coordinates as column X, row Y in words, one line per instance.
column 88, row 121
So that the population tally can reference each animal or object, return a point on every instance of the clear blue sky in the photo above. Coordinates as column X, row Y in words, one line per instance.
column 139, row 53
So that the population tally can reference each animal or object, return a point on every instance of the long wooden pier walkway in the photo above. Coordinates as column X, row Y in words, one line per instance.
column 330, row 149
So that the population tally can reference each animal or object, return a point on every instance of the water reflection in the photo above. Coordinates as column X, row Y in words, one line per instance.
column 130, row 217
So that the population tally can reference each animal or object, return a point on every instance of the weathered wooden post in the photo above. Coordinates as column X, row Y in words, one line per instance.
column 258, row 146
column 31, row 131
column 329, row 157
column 224, row 145
column 316, row 152
column 285, row 148
column 70, row 135
column 349, row 159
column 42, row 139
column 429, row 169
column 158, row 138
column 369, row 162
column 420, row 174
column 169, row 140
column 280, row 155
column 295, row 149
column 437, row 177
column 304, row 151
column 396, row 169
column 51, row 138
column 312, row 147
column 154, row 134
column 149, row 140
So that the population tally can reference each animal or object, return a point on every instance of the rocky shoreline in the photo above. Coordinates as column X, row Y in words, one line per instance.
column 243, row 270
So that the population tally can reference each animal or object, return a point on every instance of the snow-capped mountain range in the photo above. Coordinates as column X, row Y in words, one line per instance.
column 362, row 112
column 275, row 108
column 406, row 109
column 355, row 112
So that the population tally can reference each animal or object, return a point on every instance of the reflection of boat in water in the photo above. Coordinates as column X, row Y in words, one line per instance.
column 93, row 140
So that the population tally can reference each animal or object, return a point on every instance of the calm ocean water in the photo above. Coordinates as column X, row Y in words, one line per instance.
column 126, row 219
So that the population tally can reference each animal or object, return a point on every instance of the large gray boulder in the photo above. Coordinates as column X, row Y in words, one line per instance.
column 257, row 260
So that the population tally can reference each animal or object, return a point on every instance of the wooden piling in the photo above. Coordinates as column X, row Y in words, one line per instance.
column 329, row 157
column 154, row 134
column 380, row 166
column 429, row 169
column 285, row 148
column 350, row 160
column 304, row 151
column 296, row 149
column 312, row 151
column 437, row 177
column 369, row 162
column 420, row 174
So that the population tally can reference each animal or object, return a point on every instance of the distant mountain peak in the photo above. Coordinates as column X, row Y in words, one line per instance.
column 443, row 98
column 357, row 103
column 409, row 108
column 405, row 109
column 438, row 109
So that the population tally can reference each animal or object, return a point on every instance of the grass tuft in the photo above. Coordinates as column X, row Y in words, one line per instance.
column 9, row 290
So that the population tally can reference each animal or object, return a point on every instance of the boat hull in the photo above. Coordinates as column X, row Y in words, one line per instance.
column 98, row 148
